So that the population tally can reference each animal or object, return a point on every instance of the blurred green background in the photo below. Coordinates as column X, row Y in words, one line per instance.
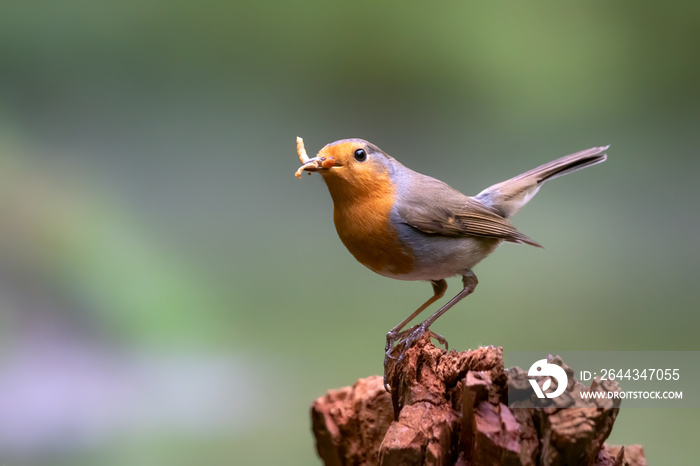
column 171, row 294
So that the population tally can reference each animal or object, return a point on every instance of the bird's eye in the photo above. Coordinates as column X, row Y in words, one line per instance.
column 360, row 155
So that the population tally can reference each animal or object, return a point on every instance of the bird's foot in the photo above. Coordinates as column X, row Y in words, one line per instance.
column 412, row 335
column 405, row 340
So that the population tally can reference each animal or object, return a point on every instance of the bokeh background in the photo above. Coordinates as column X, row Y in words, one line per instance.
column 171, row 294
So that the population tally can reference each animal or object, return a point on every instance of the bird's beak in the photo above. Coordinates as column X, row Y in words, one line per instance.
column 317, row 164
column 313, row 164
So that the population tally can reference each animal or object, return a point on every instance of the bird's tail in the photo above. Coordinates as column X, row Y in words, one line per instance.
column 509, row 196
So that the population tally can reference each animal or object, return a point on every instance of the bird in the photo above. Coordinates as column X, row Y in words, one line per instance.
column 409, row 226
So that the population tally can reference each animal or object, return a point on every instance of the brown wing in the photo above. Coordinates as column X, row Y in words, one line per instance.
column 450, row 213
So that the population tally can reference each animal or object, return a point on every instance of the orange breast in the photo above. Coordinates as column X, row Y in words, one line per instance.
column 361, row 216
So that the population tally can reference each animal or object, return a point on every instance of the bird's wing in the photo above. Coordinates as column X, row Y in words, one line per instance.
column 448, row 212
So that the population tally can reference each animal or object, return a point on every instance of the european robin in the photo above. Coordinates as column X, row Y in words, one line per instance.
column 405, row 225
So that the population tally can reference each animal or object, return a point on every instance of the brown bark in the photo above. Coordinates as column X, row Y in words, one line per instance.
column 451, row 408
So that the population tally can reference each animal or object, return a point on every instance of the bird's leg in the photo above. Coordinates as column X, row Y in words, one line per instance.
column 395, row 334
column 469, row 281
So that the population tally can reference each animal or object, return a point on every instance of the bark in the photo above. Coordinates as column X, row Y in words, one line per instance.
column 452, row 408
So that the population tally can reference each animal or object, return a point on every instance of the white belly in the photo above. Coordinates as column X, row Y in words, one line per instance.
column 438, row 257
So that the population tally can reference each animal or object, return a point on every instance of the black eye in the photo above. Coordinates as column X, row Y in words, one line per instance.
column 360, row 155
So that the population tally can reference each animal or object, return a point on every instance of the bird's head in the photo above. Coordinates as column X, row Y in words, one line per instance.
column 352, row 168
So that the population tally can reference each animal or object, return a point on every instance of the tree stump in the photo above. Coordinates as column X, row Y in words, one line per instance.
column 451, row 409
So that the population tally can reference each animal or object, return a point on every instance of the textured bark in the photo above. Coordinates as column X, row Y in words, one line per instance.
column 451, row 408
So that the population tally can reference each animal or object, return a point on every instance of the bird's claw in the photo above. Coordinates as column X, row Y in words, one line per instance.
column 391, row 338
column 405, row 339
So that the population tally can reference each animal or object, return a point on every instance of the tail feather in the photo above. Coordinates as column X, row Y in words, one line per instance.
column 564, row 165
column 509, row 196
